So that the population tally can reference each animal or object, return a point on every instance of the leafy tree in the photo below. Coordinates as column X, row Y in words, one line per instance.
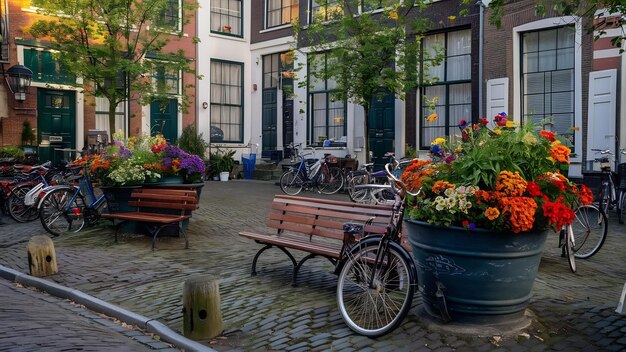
column 369, row 53
column 585, row 9
column 107, row 43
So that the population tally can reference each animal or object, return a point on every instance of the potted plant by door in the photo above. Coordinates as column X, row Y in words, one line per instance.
column 224, row 163
column 479, row 224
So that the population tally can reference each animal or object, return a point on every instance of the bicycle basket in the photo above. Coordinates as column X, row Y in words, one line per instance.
column 621, row 175
column 605, row 164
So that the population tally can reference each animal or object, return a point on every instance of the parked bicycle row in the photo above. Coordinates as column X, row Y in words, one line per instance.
column 62, row 198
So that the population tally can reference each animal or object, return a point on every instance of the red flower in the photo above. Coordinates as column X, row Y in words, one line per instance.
column 533, row 189
column 548, row 135
column 483, row 121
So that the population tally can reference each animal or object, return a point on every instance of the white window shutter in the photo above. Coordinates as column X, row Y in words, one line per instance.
column 601, row 132
column 497, row 98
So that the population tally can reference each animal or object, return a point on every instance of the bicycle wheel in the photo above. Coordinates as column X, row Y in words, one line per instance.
column 291, row 182
column 590, row 228
column 330, row 180
column 60, row 213
column 374, row 311
column 569, row 247
column 358, row 195
column 19, row 211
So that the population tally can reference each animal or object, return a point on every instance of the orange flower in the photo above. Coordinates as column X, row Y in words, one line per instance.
column 520, row 211
column 511, row 184
column 441, row 186
column 560, row 153
column 492, row 213
column 585, row 195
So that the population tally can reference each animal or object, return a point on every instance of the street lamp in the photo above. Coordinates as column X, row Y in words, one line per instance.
column 19, row 78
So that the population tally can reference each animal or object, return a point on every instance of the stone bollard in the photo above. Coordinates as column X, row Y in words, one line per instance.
column 42, row 260
column 202, row 316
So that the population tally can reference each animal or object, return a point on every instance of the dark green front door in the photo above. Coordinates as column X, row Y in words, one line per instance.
column 268, row 118
column 56, row 123
column 381, row 129
column 164, row 119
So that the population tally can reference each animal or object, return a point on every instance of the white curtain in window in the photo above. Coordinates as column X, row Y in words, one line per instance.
column 102, row 115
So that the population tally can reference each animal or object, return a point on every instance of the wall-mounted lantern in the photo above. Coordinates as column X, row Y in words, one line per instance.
column 18, row 78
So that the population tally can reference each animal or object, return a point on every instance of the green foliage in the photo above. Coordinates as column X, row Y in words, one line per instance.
column 11, row 151
column 223, row 160
column 192, row 142
column 410, row 152
column 28, row 136
column 106, row 43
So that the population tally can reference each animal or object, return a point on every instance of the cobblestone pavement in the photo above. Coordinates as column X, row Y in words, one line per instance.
column 36, row 321
column 570, row 312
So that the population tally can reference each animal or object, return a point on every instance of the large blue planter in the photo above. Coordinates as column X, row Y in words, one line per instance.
column 486, row 277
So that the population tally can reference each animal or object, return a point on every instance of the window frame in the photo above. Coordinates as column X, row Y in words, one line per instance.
column 447, row 84
column 242, row 103
column 328, row 92
column 527, row 115
column 168, row 25
column 282, row 8
column 220, row 30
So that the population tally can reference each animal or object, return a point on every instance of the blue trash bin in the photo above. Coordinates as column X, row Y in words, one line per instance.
column 248, row 161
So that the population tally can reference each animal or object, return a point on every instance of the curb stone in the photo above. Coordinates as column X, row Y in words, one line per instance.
column 97, row 305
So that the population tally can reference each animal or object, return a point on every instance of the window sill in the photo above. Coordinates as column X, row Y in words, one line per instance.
column 221, row 35
column 276, row 28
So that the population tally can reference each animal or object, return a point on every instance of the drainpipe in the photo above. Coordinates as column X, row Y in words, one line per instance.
column 481, row 33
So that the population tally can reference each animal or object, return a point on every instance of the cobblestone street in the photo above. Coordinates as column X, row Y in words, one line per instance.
column 570, row 312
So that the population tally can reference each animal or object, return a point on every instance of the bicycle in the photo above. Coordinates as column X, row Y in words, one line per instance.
column 584, row 236
column 309, row 173
column 611, row 194
column 378, row 277
column 63, row 208
column 363, row 185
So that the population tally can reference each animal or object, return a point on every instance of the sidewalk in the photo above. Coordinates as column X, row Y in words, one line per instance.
column 571, row 311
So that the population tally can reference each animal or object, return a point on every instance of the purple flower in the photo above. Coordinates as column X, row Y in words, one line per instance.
column 472, row 226
column 450, row 158
column 124, row 152
column 462, row 124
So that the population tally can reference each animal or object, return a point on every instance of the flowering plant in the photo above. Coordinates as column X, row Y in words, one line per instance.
column 508, row 178
column 142, row 159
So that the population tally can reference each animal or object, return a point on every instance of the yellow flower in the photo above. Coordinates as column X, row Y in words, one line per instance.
column 510, row 123
column 432, row 117
column 393, row 15
column 575, row 128
column 497, row 131
column 438, row 141
column 529, row 138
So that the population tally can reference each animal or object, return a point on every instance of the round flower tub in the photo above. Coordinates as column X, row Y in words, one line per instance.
column 477, row 276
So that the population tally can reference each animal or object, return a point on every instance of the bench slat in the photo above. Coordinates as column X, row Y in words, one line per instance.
column 163, row 205
column 297, row 199
column 295, row 243
column 343, row 208
column 354, row 215
column 147, row 217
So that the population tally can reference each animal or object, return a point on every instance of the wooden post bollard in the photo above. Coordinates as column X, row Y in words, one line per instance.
column 202, row 316
column 42, row 260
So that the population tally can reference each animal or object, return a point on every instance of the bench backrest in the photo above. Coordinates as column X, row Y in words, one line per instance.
column 323, row 217
column 160, row 198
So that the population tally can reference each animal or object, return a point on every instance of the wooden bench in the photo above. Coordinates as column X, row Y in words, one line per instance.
column 315, row 226
column 158, row 208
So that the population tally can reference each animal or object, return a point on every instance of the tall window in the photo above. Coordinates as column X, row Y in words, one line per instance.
column 325, row 10
column 171, row 15
column 167, row 81
column 281, row 12
column 449, row 86
column 226, row 17
column 227, row 99
column 548, row 78
column 326, row 114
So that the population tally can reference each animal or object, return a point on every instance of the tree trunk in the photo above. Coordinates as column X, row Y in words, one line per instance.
column 366, row 146
column 112, row 108
column 202, row 317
